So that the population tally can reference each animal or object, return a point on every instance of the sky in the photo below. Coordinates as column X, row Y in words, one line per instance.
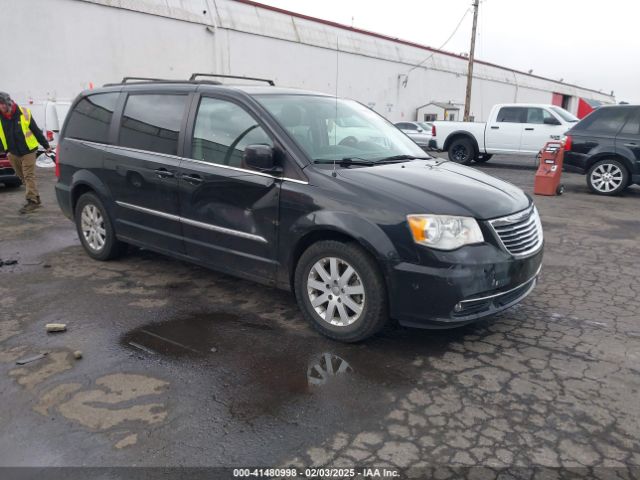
column 590, row 43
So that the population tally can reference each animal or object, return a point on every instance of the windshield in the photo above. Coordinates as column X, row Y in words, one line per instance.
column 566, row 116
column 330, row 129
column 426, row 125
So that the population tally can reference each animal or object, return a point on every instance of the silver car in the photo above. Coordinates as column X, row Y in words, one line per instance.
column 417, row 131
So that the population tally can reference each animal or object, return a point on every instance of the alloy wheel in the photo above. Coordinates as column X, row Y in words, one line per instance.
column 606, row 177
column 336, row 291
column 92, row 225
column 460, row 153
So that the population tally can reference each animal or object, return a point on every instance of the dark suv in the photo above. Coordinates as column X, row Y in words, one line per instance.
column 301, row 191
column 606, row 146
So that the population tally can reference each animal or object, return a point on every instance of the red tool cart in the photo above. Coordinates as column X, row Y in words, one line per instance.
column 550, row 170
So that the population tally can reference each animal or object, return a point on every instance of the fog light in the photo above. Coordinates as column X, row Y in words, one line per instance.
column 457, row 308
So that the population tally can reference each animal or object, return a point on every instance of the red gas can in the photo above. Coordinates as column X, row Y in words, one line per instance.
column 550, row 169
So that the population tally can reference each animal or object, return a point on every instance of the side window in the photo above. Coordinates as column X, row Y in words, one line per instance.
column 409, row 126
column 222, row 131
column 605, row 120
column 91, row 118
column 152, row 122
column 632, row 127
column 535, row 115
column 510, row 115
column 540, row 116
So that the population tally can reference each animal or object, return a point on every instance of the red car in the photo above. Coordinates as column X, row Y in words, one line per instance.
column 7, row 173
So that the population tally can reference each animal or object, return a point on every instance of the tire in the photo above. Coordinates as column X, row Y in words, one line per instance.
column 346, row 324
column 95, row 229
column 462, row 151
column 607, row 177
column 483, row 158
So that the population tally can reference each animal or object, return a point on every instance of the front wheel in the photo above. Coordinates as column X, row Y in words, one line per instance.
column 607, row 177
column 462, row 151
column 95, row 229
column 340, row 290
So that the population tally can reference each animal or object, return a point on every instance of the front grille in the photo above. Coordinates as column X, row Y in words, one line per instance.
column 521, row 233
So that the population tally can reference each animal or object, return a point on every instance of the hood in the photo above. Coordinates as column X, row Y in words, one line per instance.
column 427, row 186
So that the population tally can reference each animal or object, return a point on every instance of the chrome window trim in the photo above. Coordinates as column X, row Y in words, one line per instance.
column 194, row 223
column 243, row 170
column 495, row 295
column 87, row 142
column 201, row 162
column 147, row 152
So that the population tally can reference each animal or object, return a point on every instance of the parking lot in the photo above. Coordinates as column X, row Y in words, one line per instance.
column 187, row 367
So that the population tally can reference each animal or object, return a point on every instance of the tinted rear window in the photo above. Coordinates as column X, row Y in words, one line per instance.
column 91, row 117
column 152, row 122
column 604, row 121
column 511, row 115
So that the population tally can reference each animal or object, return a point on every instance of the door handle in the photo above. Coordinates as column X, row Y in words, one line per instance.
column 193, row 179
column 164, row 173
column 529, row 128
column 495, row 128
column 631, row 145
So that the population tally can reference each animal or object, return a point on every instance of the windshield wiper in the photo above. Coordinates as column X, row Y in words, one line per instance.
column 346, row 161
column 396, row 158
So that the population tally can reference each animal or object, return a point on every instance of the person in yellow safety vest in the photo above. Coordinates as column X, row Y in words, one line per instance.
column 20, row 136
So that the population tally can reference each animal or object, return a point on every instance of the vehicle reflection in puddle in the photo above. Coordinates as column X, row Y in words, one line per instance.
column 256, row 367
column 326, row 368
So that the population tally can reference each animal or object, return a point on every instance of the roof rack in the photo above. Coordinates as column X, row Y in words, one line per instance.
column 266, row 80
column 144, row 79
column 192, row 79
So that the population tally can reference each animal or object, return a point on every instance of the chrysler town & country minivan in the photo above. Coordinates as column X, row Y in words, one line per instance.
column 254, row 181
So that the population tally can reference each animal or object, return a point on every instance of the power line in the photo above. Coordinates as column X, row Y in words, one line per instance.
column 444, row 44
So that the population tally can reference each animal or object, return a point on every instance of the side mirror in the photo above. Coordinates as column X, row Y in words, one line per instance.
column 259, row 157
column 420, row 130
column 551, row 121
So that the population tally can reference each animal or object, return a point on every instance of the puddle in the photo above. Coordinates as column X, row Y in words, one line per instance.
column 256, row 368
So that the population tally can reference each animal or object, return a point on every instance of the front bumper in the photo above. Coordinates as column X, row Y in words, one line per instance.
column 469, row 284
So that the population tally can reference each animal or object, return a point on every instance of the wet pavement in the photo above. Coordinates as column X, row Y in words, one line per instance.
column 184, row 366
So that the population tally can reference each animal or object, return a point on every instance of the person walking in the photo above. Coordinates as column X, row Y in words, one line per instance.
column 20, row 136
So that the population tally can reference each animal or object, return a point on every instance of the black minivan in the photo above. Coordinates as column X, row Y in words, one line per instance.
column 297, row 190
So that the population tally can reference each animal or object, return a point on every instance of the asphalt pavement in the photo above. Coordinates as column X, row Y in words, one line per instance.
column 182, row 366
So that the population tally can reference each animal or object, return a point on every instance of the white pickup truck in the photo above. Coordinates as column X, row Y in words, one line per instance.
column 520, row 129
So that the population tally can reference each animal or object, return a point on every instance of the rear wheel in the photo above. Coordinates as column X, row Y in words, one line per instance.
column 462, row 151
column 607, row 177
column 341, row 291
column 95, row 229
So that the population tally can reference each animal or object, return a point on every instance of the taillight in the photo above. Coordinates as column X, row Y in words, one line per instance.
column 433, row 130
column 568, row 143
column 49, row 135
column 57, row 161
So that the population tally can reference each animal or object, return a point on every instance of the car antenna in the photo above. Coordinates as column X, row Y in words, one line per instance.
column 335, row 119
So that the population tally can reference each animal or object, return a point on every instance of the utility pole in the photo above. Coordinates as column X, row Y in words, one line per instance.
column 467, row 100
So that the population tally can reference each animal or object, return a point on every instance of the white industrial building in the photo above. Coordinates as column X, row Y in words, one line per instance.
column 61, row 47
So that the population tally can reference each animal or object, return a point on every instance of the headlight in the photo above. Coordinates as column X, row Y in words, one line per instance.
column 444, row 232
